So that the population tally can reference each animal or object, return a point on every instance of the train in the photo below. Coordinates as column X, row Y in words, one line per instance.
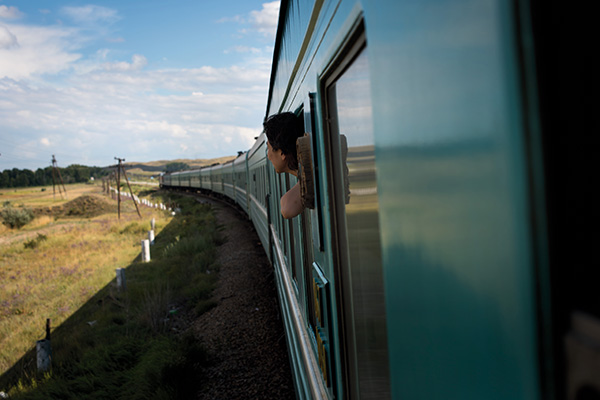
column 445, row 250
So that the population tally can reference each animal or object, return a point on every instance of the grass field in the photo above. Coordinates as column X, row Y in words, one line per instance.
column 107, row 343
column 45, row 196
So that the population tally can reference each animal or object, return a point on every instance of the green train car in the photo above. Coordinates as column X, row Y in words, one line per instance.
column 448, row 252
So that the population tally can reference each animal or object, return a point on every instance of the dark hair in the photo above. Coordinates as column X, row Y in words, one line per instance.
column 282, row 130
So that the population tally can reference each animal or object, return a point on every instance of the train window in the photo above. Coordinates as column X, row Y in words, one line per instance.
column 355, row 222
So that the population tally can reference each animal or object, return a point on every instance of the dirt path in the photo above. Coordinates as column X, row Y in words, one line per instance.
column 244, row 332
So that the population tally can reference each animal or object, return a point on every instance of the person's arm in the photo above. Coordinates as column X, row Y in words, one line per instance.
column 291, row 203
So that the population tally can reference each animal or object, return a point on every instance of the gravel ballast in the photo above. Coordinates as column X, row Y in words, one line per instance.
column 243, row 333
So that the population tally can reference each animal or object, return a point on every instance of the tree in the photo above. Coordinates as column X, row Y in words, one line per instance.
column 4, row 179
column 41, row 177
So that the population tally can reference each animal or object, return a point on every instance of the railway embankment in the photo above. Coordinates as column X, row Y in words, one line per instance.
column 243, row 333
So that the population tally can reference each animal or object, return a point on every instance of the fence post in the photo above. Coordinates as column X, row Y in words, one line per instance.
column 151, row 237
column 121, row 284
column 153, row 224
column 44, row 351
column 145, row 250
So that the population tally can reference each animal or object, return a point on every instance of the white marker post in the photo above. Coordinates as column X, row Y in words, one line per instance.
column 145, row 250
column 44, row 351
column 151, row 237
column 121, row 284
column 44, row 355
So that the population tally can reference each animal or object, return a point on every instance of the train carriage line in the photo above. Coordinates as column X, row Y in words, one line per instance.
column 442, row 258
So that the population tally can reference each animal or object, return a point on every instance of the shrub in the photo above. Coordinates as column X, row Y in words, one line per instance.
column 16, row 217
column 33, row 243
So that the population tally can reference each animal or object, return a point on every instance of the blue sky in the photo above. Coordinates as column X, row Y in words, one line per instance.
column 144, row 80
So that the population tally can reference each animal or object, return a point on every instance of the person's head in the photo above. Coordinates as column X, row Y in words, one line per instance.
column 282, row 130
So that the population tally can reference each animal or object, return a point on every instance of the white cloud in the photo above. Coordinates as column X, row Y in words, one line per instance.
column 235, row 18
column 137, row 62
column 126, row 104
column 159, row 127
column 7, row 39
column 243, row 49
column 103, row 103
column 91, row 14
column 9, row 12
column 265, row 20
column 31, row 50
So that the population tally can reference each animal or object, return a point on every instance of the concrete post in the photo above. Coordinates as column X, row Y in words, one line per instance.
column 153, row 224
column 151, row 236
column 121, row 284
column 145, row 250
column 44, row 355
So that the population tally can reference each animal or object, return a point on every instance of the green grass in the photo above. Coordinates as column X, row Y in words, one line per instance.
column 112, row 345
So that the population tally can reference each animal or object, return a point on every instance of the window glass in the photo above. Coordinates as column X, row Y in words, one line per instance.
column 357, row 206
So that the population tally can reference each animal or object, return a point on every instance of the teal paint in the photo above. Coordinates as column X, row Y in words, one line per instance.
column 453, row 200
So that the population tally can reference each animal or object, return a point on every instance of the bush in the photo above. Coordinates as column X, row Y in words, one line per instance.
column 33, row 243
column 16, row 217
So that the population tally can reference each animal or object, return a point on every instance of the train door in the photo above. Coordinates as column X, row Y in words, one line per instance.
column 353, row 201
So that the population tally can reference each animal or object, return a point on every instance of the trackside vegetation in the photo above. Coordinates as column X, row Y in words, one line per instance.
column 118, row 344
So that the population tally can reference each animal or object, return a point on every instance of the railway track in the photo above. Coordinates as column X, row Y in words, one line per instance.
column 243, row 333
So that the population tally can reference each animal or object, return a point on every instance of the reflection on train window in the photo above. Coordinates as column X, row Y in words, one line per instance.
column 356, row 204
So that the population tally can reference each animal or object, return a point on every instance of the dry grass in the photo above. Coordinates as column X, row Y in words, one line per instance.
column 110, row 344
column 78, row 257
column 43, row 196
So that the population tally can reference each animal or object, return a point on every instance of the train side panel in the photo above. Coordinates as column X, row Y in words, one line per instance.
column 423, row 269
column 421, row 241
column 240, row 176
column 205, row 179
column 216, row 179
column 257, row 190
column 228, row 184
column 194, row 176
column 175, row 179
column 452, row 173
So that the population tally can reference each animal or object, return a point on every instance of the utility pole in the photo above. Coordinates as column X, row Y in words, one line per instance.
column 119, row 169
column 119, row 185
column 55, row 170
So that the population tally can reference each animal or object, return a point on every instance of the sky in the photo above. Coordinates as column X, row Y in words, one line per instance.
column 143, row 80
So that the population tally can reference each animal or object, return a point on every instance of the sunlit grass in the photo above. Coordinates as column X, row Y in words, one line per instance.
column 106, row 341
column 44, row 196
column 78, row 258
